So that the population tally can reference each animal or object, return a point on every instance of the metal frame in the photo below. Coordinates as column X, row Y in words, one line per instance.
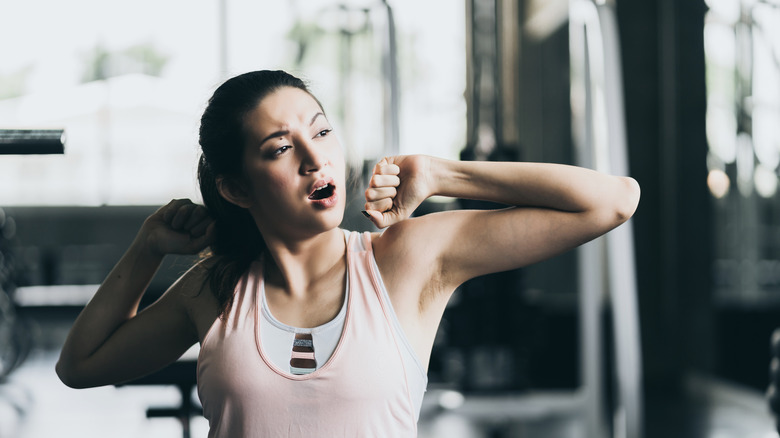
column 607, row 265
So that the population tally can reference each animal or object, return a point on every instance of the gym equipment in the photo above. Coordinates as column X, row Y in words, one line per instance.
column 32, row 141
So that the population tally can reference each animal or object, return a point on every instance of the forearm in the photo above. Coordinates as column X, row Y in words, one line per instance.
column 115, row 302
column 554, row 186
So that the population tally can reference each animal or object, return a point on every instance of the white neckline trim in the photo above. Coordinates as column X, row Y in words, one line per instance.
column 337, row 320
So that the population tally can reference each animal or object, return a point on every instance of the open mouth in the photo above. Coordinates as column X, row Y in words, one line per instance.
column 323, row 192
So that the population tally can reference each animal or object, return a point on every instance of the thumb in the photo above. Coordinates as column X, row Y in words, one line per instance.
column 381, row 220
column 375, row 217
column 204, row 241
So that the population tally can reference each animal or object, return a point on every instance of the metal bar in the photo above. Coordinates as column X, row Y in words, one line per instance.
column 621, row 264
column 32, row 141
column 394, row 134
column 590, row 264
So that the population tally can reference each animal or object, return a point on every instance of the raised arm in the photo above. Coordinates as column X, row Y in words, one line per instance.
column 554, row 208
column 109, row 343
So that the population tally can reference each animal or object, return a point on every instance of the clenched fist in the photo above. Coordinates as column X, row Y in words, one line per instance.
column 397, row 187
column 180, row 227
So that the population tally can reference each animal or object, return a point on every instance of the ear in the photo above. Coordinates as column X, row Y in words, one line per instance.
column 233, row 192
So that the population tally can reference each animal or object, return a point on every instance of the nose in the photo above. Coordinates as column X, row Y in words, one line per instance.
column 313, row 159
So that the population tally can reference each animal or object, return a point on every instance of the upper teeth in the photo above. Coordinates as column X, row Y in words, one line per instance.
column 320, row 188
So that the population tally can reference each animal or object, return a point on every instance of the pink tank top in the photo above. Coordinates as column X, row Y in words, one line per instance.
column 361, row 391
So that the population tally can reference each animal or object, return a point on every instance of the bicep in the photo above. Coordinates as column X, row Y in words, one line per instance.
column 155, row 337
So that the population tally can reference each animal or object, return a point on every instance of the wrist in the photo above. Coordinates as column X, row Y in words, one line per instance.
column 437, row 173
column 445, row 177
column 144, row 246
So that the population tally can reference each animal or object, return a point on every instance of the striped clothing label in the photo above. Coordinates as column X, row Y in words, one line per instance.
column 302, row 360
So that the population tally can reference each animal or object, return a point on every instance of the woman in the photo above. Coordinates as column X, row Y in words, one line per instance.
column 306, row 329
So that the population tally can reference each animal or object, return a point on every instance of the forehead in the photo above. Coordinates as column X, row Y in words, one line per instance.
column 282, row 108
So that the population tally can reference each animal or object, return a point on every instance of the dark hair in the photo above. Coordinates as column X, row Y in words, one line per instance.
column 238, row 241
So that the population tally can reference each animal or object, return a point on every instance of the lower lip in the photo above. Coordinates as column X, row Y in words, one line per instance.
column 328, row 202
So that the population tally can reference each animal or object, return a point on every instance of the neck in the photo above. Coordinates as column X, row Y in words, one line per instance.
column 294, row 265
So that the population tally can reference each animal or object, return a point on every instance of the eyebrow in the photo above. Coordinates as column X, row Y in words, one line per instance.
column 285, row 132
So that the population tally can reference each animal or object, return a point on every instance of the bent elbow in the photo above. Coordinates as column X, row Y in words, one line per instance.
column 64, row 375
column 627, row 200
column 68, row 377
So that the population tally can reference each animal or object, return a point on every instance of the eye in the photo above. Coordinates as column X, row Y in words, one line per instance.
column 323, row 133
column 280, row 151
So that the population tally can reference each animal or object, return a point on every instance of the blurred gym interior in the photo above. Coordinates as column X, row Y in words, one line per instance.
column 662, row 328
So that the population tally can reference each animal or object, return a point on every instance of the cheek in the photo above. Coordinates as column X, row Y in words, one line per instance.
column 273, row 186
column 337, row 160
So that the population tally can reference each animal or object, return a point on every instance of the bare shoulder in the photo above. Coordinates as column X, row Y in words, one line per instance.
column 409, row 257
column 422, row 239
column 433, row 254
column 404, row 243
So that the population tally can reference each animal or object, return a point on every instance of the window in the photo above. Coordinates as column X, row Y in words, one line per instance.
column 128, row 82
column 742, row 53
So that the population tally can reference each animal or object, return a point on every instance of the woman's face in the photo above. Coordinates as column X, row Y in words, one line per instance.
column 294, row 171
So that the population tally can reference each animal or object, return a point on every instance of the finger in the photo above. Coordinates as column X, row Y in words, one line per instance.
column 167, row 211
column 374, row 194
column 387, row 169
column 374, row 216
column 182, row 215
column 382, row 220
column 380, row 205
column 384, row 181
column 195, row 245
column 381, row 163
column 198, row 214
column 170, row 210
column 206, row 239
column 201, row 227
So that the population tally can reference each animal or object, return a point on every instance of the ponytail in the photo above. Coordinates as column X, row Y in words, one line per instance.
column 237, row 241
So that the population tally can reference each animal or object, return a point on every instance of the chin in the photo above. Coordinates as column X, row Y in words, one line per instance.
column 335, row 218
column 327, row 220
